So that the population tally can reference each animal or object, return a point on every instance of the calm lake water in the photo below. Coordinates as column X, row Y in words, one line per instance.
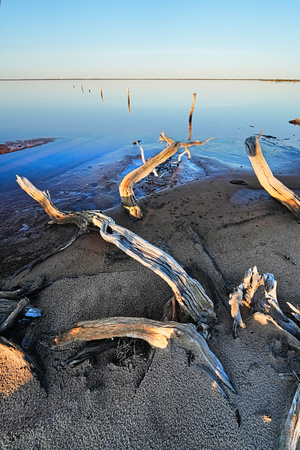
column 95, row 131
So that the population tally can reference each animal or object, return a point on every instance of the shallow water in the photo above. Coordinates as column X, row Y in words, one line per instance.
column 95, row 132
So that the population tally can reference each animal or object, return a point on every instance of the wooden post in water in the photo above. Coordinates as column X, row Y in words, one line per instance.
column 191, row 116
column 82, row 89
column 128, row 100
column 101, row 93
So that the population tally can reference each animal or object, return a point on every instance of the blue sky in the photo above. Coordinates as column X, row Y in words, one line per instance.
column 157, row 38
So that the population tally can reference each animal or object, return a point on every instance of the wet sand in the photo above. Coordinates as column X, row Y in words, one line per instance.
column 215, row 229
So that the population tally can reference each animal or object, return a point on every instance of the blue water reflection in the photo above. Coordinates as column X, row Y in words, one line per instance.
column 92, row 130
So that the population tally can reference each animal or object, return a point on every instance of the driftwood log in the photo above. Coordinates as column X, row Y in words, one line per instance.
column 258, row 293
column 188, row 292
column 128, row 198
column 266, row 178
column 157, row 334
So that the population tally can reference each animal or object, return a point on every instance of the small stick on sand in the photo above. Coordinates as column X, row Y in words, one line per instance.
column 266, row 178
column 191, row 116
column 13, row 315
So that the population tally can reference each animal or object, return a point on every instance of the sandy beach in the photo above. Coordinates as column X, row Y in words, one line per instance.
column 216, row 230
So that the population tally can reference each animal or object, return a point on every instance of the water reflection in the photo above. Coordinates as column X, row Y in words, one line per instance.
column 102, row 131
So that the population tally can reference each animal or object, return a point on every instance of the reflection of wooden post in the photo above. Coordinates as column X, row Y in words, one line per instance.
column 191, row 116
column 128, row 100
column 101, row 93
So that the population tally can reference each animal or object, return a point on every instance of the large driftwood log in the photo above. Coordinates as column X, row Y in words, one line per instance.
column 188, row 292
column 157, row 334
column 258, row 293
column 291, row 430
column 266, row 178
column 128, row 198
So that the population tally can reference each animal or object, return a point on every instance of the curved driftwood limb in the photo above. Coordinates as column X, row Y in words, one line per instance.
column 291, row 430
column 259, row 294
column 188, row 292
column 128, row 198
column 266, row 178
column 157, row 334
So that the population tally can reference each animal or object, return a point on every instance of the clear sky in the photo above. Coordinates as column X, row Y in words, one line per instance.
column 150, row 38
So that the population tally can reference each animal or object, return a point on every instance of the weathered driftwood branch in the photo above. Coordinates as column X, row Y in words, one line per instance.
column 291, row 430
column 258, row 293
column 157, row 334
column 266, row 178
column 188, row 292
column 126, row 186
column 143, row 155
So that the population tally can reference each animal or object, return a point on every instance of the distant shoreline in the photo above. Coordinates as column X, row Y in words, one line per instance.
column 276, row 80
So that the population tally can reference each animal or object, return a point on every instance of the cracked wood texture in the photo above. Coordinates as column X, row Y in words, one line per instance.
column 188, row 292
column 128, row 198
column 266, row 178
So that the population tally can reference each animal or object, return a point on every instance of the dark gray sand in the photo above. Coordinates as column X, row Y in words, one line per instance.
column 109, row 402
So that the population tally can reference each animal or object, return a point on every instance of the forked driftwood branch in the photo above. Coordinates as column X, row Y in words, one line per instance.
column 187, row 292
column 157, row 334
column 258, row 293
column 266, row 178
column 128, row 198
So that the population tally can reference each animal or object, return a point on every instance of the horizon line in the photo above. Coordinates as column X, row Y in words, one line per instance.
column 150, row 79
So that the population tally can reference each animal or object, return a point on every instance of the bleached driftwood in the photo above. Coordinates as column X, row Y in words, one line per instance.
column 187, row 292
column 143, row 155
column 157, row 334
column 291, row 430
column 266, row 178
column 258, row 293
column 128, row 198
